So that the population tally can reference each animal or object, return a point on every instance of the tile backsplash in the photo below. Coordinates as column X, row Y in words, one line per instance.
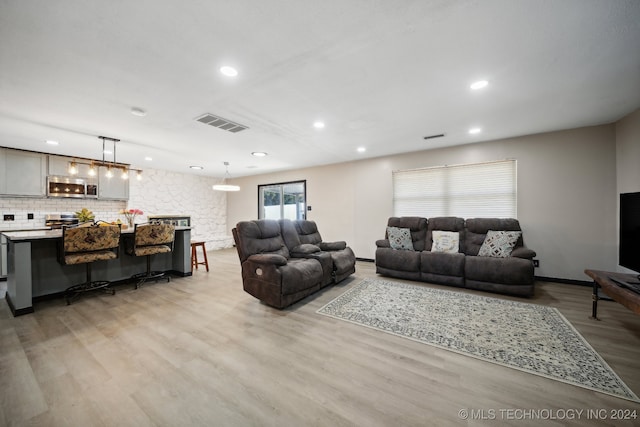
column 20, row 207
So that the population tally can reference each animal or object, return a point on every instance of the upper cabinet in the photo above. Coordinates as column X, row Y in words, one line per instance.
column 22, row 173
column 114, row 188
column 59, row 166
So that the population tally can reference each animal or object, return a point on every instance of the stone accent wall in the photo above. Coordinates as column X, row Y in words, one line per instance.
column 163, row 192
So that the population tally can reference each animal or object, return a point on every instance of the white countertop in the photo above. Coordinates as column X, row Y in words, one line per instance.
column 42, row 234
column 13, row 229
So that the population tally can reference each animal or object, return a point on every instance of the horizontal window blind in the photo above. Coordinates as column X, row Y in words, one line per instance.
column 480, row 190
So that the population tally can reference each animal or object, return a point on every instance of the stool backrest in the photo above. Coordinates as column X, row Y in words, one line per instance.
column 154, row 234
column 82, row 244
column 89, row 239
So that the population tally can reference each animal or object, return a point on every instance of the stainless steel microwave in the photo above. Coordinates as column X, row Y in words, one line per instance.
column 64, row 186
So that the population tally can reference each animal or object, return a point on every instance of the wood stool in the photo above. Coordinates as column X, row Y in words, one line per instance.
column 194, row 255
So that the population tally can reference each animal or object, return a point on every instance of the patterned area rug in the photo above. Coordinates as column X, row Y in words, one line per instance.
column 529, row 337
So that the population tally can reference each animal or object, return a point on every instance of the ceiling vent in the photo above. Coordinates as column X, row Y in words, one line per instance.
column 220, row 123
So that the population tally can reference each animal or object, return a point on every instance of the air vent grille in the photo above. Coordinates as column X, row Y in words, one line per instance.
column 219, row 122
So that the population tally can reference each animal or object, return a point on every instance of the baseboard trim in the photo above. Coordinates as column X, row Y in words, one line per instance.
column 19, row 311
column 564, row 281
column 365, row 259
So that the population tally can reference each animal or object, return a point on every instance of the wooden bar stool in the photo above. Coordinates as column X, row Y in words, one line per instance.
column 194, row 255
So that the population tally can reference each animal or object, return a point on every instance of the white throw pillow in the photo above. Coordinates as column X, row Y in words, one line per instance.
column 400, row 238
column 445, row 241
column 499, row 244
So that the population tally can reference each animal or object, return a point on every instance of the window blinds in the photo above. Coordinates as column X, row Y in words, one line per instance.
column 480, row 190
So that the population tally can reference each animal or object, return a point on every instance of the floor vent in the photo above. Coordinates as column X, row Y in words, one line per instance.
column 220, row 123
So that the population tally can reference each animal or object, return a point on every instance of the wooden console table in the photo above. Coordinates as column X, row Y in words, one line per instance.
column 622, row 295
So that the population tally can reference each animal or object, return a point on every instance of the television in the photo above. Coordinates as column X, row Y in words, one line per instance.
column 629, row 250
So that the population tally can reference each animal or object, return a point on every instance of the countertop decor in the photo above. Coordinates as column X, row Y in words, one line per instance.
column 130, row 215
column 85, row 215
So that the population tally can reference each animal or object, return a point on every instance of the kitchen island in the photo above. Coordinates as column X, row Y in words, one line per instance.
column 35, row 272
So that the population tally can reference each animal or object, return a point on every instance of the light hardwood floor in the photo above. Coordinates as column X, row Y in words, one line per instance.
column 200, row 352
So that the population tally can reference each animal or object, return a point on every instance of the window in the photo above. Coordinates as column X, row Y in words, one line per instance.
column 480, row 190
column 284, row 200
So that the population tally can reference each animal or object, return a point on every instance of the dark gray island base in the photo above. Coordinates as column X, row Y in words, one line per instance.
column 34, row 270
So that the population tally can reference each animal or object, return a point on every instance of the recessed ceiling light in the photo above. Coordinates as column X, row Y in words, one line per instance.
column 259, row 154
column 148, row 159
column 474, row 131
column 51, row 142
column 229, row 71
column 138, row 112
column 196, row 167
column 361, row 149
column 318, row 125
column 479, row 84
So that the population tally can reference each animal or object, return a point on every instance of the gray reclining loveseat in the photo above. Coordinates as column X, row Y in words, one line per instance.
column 279, row 268
column 503, row 265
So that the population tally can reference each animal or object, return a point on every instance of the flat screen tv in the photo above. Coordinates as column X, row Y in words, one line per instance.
column 629, row 251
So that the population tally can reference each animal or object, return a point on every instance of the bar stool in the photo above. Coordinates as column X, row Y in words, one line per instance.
column 148, row 240
column 194, row 255
column 86, row 245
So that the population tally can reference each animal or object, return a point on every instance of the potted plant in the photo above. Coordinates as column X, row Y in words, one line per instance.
column 85, row 215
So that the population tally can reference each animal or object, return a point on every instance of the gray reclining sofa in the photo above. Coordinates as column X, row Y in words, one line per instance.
column 501, row 266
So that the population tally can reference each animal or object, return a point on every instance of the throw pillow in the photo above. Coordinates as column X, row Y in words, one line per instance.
column 499, row 244
column 400, row 238
column 445, row 241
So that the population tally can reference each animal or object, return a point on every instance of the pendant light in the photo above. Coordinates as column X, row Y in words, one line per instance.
column 224, row 186
column 111, row 165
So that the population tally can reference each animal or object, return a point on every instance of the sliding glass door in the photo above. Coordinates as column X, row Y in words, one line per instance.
column 282, row 200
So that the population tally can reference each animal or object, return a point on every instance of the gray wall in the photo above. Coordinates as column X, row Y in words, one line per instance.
column 566, row 195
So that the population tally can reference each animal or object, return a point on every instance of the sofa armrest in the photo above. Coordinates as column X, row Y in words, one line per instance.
column 332, row 246
column 268, row 259
column 383, row 243
column 523, row 252
column 304, row 249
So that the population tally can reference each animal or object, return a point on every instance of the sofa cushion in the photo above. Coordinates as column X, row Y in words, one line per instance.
column 418, row 227
column 477, row 228
column 506, row 271
column 444, row 223
column 260, row 237
column 332, row 246
column 445, row 241
column 499, row 244
column 400, row 238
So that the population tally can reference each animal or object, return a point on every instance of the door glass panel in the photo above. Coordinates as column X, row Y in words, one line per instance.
column 284, row 200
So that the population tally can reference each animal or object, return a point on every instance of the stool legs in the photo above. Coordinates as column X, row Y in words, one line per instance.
column 194, row 255
column 73, row 292
column 148, row 275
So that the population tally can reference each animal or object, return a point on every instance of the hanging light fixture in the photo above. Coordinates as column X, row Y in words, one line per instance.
column 111, row 166
column 224, row 186
column 73, row 168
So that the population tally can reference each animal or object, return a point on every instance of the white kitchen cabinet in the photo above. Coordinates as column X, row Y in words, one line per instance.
column 59, row 166
column 114, row 188
column 22, row 173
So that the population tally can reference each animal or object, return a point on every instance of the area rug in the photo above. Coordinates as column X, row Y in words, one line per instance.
column 529, row 337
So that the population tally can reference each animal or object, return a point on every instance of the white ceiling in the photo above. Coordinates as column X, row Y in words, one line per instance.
column 381, row 74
